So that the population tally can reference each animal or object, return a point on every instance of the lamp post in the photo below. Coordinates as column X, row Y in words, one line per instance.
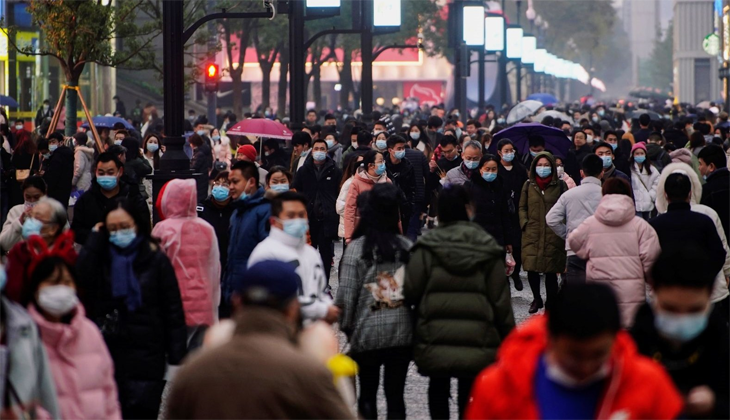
column 529, row 45
column 513, row 51
column 493, row 44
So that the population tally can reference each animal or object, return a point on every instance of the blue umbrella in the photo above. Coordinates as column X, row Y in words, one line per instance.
column 556, row 142
column 108, row 122
column 8, row 101
column 545, row 98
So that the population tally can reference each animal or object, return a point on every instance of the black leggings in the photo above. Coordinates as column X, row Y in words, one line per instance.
column 439, row 393
column 551, row 284
column 396, row 361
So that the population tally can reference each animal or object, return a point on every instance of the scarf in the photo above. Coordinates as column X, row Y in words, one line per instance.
column 543, row 182
column 124, row 283
column 466, row 170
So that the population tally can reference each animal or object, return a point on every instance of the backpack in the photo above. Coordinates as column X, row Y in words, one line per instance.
column 658, row 163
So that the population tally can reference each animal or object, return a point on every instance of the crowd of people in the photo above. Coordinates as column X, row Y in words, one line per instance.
column 226, row 295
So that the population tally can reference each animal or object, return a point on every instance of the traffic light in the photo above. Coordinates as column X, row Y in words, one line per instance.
column 211, row 77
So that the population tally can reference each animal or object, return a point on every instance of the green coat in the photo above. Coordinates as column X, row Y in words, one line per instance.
column 542, row 250
column 456, row 280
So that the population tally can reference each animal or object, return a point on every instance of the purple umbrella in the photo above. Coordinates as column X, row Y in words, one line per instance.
column 556, row 142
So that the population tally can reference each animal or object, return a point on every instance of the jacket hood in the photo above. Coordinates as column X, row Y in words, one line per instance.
column 681, row 156
column 461, row 246
column 661, row 200
column 88, row 150
column 653, row 150
column 615, row 210
column 533, row 165
column 178, row 200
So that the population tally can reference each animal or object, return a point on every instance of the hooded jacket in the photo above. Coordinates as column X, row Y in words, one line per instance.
column 542, row 250
column 361, row 182
column 192, row 247
column 644, row 186
column 637, row 387
column 455, row 279
column 620, row 249
column 695, row 197
column 82, row 368
column 83, row 164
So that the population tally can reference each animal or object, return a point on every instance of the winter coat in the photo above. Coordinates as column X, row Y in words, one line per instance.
column 83, row 165
column 420, row 171
column 12, row 229
column 620, row 249
column 542, row 250
column 93, row 204
column 514, row 179
column 280, row 246
column 573, row 208
column 720, row 288
column 82, row 368
column 455, row 279
column 220, row 219
column 137, row 169
column 361, row 182
column 457, row 176
column 657, row 155
column 281, row 381
column 192, row 247
column 144, row 341
column 59, row 173
column 696, row 194
column 202, row 160
column 716, row 194
column 702, row 361
column 278, row 158
column 339, row 206
column 491, row 207
column 683, row 155
column 433, row 180
column 249, row 226
column 644, row 186
column 26, row 366
column 403, row 177
column 637, row 388
column 320, row 186
column 335, row 153
column 370, row 295
column 574, row 161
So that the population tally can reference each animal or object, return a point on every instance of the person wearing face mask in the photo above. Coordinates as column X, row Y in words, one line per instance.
column 301, row 144
column 562, row 174
column 319, row 181
column 574, row 363
column 82, row 368
column 644, row 181
column 44, row 113
column 577, row 152
column 287, row 243
column 278, row 180
column 716, row 191
column 536, row 144
column 216, row 209
column 680, row 331
column 34, row 188
column 471, row 156
column 542, row 250
column 132, row 294
column 348, row 175
column 274, row 155
column 202, row 161
column 514, row 176
column 605, row 152
column 249, row 225
column 334, row 148
column 491, row 202
column 381, row 142
column 59, row 169
column 371, row 171
column 106, row 186
column 46, row 227
column 401, row 172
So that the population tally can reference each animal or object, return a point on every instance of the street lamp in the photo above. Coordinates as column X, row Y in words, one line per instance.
column 514, row 43
column 386, row 13
column 494, row 33
column 529, row 46
column 540, row 60
column 473, row 25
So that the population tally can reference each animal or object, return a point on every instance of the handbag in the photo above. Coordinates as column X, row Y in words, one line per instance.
column 23, row 174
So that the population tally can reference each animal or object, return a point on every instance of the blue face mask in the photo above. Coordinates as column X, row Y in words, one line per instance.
column 221, row 193
column 508, row 157
column 216, row 138
column 117, row 142
column 200, row 132
column 613, row 146
column 380, row 169
column 305, row 153
column 152, row 147
column 415, row 135
column 381, row 144
column 46, row 155
column 3, row 278
column 319, row 156
column 639, row 159
column 107, row 182
column 123, row 237
column 330, row 143
column 295, row 227
column 31, row 227
column 684, row 327
column 52, row 147
column 533, row 154
column 471, row 164
column 280, row 188
column 543, row 171
column 489, row 176
column 607, row 161
column 400, row 154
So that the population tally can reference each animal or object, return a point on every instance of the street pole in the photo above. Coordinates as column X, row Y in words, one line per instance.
column 366, row 54
column 519, row 61
column 297, row 62
column 174, row 159
column 482, row 83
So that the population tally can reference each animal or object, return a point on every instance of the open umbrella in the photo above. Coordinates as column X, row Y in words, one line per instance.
column 653, row 115
column 8, row 101
column 553, row 113
column 107, row 122
column 260, row 127
column 523, row 110
column 545, row 98
column 556, row 142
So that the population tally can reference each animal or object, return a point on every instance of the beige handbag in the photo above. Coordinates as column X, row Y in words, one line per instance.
column 23, row 174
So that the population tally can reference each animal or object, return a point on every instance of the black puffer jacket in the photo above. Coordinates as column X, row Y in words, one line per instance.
column 491, row 205
column 141, row 342
column 403, row 177
column 220, row 219
column 420, row 170
column 59, row 173
column 321, row 187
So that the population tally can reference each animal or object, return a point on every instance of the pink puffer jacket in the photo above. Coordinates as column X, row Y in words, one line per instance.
column 192, row 247
column 82, row 368
column 620, row 249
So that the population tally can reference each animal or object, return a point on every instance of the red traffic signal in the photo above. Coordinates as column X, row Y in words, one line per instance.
column 212, row 71
column 212, row 74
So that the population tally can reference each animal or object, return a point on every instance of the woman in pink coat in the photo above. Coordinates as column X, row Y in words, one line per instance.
column 83, row 371
column 192, row 246
column 619, row 247
column 371, row 172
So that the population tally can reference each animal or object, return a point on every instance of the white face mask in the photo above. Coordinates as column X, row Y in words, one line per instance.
column 561, row 171
column 556, row 374
column 589, row 139
column 57, row 300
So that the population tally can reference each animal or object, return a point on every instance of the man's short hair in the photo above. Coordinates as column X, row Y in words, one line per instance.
column 320, row 140
column 447, row 140
column 434, row 121
column 644, row 120
column 677, row 186
column 277, row 203
column 536, row 141
column 395, row 140
column 592, row 165
column 656, row 136
column 713, row 153
column 248, row 170
column 109, row 157
column 685, row 265
column 329, row 117
column 602, row 144
column 364, row 138
column 584, row 311
column 300, row 138
column 475, row 123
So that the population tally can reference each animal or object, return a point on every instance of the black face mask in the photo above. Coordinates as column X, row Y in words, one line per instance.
column 567, row 132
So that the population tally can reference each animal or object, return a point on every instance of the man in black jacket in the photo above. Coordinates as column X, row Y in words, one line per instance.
column 319, row 180
column 716, row 191
column 642, row 135
column 400, row 171
column 106, row 187
column 59, row 169
column 514, row 176
column 420, row 171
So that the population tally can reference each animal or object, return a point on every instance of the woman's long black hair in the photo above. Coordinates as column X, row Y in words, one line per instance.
column 379, row 217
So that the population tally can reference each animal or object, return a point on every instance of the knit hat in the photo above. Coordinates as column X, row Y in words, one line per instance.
column 268, row 283
column 639, row 145
column 248, row 151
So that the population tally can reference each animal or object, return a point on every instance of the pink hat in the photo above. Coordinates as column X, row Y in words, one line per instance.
column 639, row 145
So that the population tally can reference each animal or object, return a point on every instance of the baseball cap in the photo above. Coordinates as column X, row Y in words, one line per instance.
column 268, row 283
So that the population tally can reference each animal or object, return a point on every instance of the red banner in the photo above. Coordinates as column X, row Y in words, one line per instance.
column 430, row 93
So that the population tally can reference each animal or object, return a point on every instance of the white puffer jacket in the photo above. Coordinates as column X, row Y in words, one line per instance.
column 644, row 186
